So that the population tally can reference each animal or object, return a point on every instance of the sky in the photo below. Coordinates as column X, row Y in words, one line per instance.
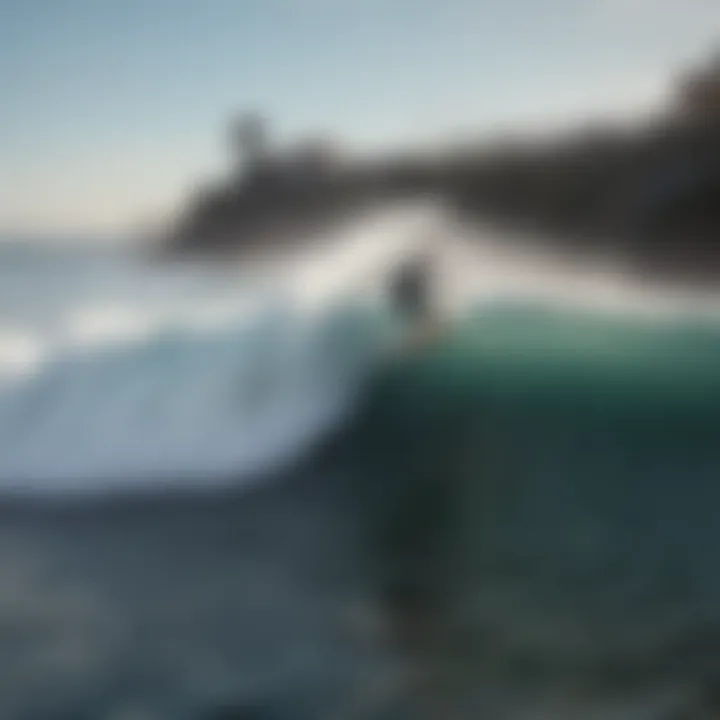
column 111, row 111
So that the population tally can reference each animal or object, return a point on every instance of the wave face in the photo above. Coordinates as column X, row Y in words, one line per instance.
column 115, row 374
column 549, row 479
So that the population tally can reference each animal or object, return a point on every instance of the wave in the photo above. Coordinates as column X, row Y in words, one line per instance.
column 178, row 405
column 547, row 473
column 115, row 375
column 548, row 478
column 119, row 375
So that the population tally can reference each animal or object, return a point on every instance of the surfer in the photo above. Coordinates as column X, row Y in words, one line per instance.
column 412, row 299
column 410, row 289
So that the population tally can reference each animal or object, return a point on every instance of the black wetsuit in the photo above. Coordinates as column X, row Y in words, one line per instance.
column 410, row 291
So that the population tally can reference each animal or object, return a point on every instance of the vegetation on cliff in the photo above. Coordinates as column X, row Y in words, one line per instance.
column 651, row 191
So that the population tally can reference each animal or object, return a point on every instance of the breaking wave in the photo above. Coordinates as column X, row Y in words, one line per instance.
column 116, row 373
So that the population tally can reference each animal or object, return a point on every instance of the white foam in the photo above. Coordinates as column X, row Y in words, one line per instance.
column 20, row 353
column 481, row 264
column 160, row 377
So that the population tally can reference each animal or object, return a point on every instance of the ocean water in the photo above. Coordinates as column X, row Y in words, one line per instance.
column 224, row 494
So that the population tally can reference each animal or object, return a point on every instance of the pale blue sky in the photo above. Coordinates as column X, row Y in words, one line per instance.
column 111, row 109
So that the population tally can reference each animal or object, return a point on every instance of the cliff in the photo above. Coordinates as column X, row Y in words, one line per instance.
column 650, row 192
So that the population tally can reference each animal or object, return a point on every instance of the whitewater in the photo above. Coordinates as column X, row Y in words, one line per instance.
column 116, row 372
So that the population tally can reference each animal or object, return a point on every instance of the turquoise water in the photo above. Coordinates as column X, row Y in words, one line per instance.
column 551, row 480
